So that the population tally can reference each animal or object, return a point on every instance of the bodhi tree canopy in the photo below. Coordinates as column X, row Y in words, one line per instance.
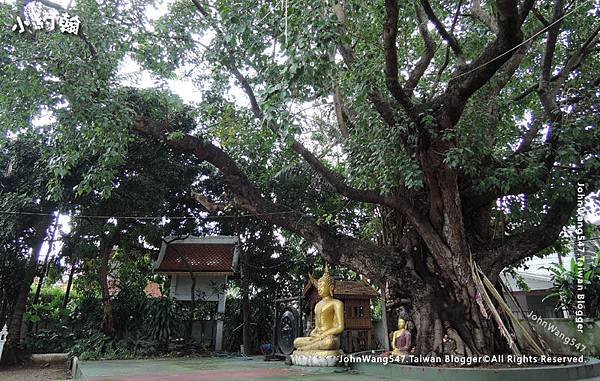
column 414, row 139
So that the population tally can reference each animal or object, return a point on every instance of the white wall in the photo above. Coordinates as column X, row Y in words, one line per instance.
column 207, row 287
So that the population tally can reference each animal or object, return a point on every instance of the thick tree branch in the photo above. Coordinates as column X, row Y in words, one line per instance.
column 524, row 10
column 558, row 12
column 211, row 207
column 336, row 248
column 527, row 139
column 547, row 94
column 345, row 51
column 391, row 59
column 473, row 76
column 334, row 179
column 383, row 107
column 449, row 38
column 423, row 63
column 508, row 250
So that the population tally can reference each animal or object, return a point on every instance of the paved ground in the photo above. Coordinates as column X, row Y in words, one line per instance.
column 207, row 369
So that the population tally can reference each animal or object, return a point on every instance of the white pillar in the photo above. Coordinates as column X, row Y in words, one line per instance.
column 386, row 341
column 173, row 288
column 220, row 313
column 3, row 335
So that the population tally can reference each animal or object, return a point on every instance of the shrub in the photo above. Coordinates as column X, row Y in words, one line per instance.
column 566, row 281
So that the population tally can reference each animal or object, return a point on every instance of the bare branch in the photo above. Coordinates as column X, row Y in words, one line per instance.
column 524, row 10
column 449, row 38
column 211, row 207
column 558, row 12
column 484, row 17
column 339, row 113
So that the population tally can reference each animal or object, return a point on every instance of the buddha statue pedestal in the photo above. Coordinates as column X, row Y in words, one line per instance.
column 316, row 358
column 322, row 346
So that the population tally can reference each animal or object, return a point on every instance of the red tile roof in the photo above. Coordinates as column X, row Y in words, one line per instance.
column 347, row 289
column 202, row 257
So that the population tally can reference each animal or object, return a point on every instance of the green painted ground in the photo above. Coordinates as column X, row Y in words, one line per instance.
column 207, row 369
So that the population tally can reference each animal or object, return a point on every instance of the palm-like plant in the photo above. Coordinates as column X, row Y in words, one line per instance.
column 566, row 281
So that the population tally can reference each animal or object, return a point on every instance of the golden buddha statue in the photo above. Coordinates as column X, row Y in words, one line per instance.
column 401, row 339
column 324, row 339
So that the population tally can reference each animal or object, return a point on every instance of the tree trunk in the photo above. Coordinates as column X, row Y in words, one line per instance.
column 244, row 290
column 108, row 324
column 43, row 274
column 11, row 353
column 443, row 321
column 69, row 285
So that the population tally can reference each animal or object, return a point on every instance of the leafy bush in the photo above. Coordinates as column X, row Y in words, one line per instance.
column 53, row 325
column 163, row 319
column 92, row 346
column 566, row 281
column 58, row 338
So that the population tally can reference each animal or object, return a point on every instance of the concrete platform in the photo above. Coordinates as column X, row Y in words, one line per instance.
column 589, row 371
column 208, row 369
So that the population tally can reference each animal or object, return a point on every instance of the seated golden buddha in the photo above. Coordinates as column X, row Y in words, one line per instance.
column 324, row 340
column 401, row 340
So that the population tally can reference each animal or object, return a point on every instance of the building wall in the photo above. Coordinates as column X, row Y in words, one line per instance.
column 208, row 288
column 534, row 301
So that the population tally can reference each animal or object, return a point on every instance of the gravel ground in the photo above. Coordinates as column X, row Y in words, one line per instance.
column 32, row 372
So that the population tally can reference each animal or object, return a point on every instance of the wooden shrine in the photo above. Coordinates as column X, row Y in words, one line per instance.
column 356, row 296
column 211, row 261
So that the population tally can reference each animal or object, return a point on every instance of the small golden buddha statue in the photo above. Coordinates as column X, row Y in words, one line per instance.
column 324, row 339
column 401, row 339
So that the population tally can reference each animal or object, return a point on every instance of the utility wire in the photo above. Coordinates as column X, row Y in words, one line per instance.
column 151, row 217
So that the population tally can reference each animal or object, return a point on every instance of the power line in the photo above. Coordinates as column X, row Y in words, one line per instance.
column 544, row 29
column 153, row 217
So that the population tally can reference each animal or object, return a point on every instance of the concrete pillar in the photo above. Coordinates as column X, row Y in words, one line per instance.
column 386, row 341
column 173, row 287
column 220, row 316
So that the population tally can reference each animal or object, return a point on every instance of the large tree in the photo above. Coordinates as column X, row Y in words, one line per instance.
column 458, row 130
